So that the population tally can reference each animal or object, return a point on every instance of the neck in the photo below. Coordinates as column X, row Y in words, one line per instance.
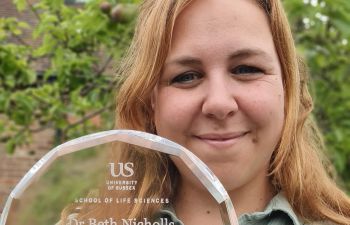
column 194, row 205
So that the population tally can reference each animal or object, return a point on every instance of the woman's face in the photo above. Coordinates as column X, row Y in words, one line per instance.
column 220, row 93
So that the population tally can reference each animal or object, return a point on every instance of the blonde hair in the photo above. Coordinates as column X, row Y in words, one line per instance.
column 297, row 166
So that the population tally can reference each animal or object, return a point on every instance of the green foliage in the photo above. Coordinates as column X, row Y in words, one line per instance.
column 322, row 33
column 58, row 77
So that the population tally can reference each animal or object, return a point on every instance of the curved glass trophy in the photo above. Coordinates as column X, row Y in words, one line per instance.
column 81, row 182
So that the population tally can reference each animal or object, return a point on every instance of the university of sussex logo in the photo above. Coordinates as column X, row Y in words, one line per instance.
column 123, row 169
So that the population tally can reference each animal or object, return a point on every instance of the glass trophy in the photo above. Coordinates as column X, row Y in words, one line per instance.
column 109, row 178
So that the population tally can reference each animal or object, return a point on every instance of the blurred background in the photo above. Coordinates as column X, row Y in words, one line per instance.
column 58, row 81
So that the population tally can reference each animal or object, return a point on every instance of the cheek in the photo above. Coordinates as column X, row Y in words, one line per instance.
column 173, row 113
column 266, row 107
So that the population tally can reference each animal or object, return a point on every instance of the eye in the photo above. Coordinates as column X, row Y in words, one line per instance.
column 186, row 79
column 244, row 69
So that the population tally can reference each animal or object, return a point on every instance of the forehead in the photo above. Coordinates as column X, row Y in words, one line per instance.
column 222, row 24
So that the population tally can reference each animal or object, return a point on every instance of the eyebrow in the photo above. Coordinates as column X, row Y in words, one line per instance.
column 185, row 61
column 248, row 52
column 239, row 54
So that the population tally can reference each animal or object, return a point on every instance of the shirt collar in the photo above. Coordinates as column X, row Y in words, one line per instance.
column 278, row 204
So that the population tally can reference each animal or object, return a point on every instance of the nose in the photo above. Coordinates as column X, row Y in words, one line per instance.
column 219, row 102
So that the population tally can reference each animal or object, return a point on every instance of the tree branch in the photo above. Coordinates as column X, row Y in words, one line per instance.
column 20, row 40
column 86, row 118
column 33, row 10
column 103, row 68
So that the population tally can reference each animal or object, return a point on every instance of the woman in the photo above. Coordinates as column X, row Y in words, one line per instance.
column 222, row 78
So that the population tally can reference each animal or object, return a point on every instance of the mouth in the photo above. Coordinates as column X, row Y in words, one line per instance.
column 223, row 140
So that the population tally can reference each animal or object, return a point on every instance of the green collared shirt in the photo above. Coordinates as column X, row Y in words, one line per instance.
column 277, row 212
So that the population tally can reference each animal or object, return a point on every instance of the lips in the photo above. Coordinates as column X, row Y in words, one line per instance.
column 221, row 140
